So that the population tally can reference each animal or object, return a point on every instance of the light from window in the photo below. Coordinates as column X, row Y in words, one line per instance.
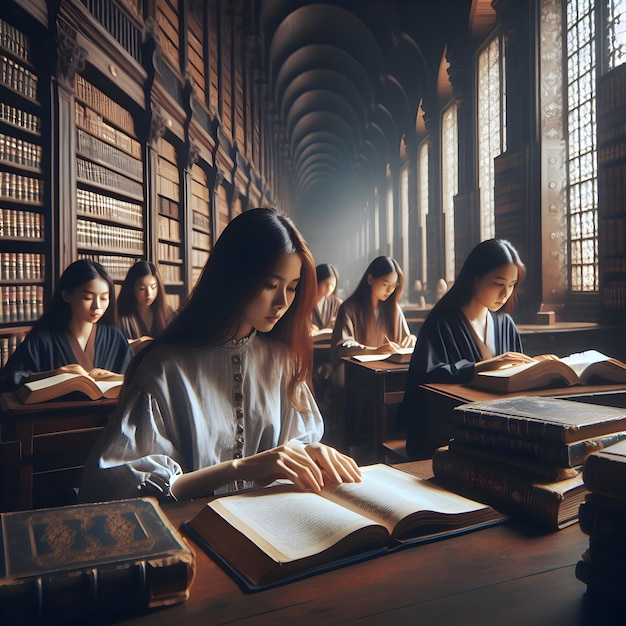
column 616, row 32
column 422, row 207
column 581, row 146
column 404, row 217
column 449, row 182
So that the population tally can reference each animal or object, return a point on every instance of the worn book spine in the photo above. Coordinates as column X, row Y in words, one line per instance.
column 601, row 583
column 90, row 560
column 560, row 454
column 507, row 490
column 606, row 473
column 602, row 518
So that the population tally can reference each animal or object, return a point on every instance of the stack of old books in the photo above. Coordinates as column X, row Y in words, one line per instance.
column 524, row 455
column 603, row 517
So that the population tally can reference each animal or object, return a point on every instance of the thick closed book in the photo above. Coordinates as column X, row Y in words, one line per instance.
column 273, row 535
column 549, row 370
column 59, row 385
column 552, row 505
column 90, row 560
column 557, row 453
column 605, row 471
column 542, row 419
column 605, row 517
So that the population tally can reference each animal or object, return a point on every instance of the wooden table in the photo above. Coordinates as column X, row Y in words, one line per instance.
column 54, row 439
column 371, row 389
column 507, row 574
column 442, row 398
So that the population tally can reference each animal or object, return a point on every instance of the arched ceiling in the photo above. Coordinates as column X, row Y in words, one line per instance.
column 346, row 79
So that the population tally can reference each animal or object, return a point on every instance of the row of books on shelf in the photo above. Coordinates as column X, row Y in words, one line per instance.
column 94, row 173
column 22, row 265
column 614, row 295
column 525, row 455
column 611, row 152
column 614, row 264
column 104, row 236
column 95, row 124
column 200, row 194
column 8, row 345
column 21, row 303
column 168, row 207
column 18, row 77
column 168, row 188
column 22, row 119
column 170, row 274
column 602, row 516
column 14, row 40
column 20, row 187
column 169, row 228
column 611, row 91
column 98, row 205
column 199, row 257
column 612, row 187
column 98, row 150
column 116, row 266
column 20, row 152
column 168, row 251
column 200, row 220
column 21, row 224
column 200, row 240
column 103, row 104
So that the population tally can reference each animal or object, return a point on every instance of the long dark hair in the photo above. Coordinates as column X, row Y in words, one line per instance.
column 362, row 296
column 237, row 269
column 58, row 313
column 127, row 301
column 485, row 257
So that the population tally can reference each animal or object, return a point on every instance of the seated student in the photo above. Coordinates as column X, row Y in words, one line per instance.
column 143, row 312
column 370, row 321
column 328, row 302
column 76, row 332
column 469, row 330
column 221, row 400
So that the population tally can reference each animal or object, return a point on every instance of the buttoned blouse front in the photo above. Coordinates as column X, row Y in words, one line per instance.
column 188, row 408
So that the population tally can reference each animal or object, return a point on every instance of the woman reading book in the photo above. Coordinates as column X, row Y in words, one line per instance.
column 221, row 400
column 143, row 312
column 469, row 330
column 75, row 334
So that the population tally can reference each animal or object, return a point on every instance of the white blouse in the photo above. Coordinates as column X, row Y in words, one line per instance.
column 192, row 407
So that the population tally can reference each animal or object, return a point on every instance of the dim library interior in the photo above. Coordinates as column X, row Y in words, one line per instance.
column 138, row 130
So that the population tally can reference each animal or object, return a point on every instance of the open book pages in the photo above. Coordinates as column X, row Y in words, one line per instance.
column 322, row 334
column 58, row 385
column 403, row 355
column 288, row 524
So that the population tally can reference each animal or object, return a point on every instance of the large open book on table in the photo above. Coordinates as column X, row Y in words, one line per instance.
column 403, row 355
column 277, row 534
column 59, row 385
column 545, row 370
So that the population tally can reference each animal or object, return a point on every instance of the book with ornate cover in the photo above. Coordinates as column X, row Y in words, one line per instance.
column 553, row 505
column 542, row 419
column 90, row 560
column 560, row 454
column 605, row 471
column 278, row 534
column 547, row 369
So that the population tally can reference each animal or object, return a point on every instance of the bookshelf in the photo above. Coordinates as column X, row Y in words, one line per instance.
column 611, row 116
column 109, row 189
column 24, row 251
column 200, row 221
column 169, row 247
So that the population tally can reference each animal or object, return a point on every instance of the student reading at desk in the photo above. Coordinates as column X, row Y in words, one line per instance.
column 75, row 334
column 469, row 330
column 221, row 400
column 143, row 312
column 328, row 302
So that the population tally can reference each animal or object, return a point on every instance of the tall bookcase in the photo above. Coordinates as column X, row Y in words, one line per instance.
column 109, row 176
column 23, row 216
column 200, row 221
column 611, row 116
column 170, row 244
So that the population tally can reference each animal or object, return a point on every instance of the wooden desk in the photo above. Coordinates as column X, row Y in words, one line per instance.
column 506, row 574
column 441, row 400
column 55, row 440
column 371, row 389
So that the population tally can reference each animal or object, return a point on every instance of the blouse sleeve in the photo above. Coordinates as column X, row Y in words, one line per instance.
column 344, row 342
column 136, row 454
column 305, row 424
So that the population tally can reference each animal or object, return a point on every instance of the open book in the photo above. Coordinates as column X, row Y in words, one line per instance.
column 58, row 385
column 321, row 335
column 403, row 355
column 273, row 535
column 547, row 370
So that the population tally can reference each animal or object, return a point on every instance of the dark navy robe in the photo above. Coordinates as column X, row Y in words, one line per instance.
column 446, row 352
column 45, row 350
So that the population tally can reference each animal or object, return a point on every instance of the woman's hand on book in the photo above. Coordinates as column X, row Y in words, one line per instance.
column 72, row 368
column 508, row 359
column 99, row 374
column 307, row 467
